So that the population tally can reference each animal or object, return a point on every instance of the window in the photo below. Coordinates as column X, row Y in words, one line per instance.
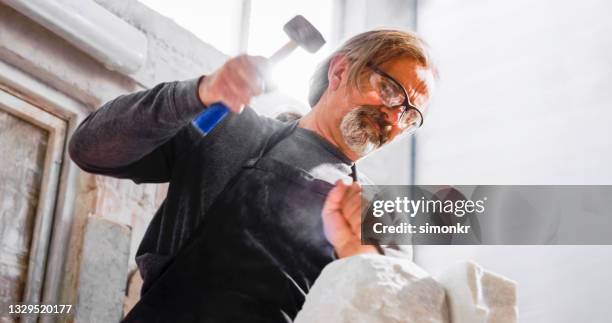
column 266, row 35
column 222, row 24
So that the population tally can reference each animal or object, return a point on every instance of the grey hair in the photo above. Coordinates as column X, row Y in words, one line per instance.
column 377, row 47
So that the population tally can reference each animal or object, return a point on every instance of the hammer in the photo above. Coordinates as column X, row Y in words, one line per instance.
column 301, row 33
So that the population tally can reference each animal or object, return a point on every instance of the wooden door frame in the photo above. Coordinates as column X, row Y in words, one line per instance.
column 41, row 232
column 59, row 114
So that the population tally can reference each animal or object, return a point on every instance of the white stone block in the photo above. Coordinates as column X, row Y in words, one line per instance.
column 103, row 271
column 377, row 289
column 374, row 289
column 479, row 296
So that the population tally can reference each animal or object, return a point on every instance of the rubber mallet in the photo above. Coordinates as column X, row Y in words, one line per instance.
column 301, row 34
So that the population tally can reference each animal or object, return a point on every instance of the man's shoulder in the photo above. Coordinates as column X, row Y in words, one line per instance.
column 251, row 123
column 235, row 140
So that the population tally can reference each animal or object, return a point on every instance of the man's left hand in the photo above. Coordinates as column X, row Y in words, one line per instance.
column 342, row 220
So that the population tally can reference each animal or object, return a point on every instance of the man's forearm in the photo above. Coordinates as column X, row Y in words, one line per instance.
column 126, row 129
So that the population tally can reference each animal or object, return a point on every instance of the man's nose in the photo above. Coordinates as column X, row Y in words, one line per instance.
column 392, row 115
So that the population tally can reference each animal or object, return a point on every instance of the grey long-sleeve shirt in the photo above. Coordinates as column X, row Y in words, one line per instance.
column 148, row 137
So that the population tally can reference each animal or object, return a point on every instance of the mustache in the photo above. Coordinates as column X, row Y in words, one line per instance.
column 375, row 114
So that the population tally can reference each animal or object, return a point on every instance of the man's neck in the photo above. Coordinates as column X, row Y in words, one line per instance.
column 313, row 121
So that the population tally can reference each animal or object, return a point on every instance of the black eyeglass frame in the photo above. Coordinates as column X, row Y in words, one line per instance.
column 406, row 105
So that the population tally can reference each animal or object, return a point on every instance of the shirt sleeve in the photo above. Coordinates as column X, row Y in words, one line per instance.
column 139, row 135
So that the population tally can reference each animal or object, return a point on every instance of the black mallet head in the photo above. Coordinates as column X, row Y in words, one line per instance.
column 303, row 33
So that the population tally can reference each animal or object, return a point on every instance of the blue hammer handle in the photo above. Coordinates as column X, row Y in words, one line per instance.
column 209, row 119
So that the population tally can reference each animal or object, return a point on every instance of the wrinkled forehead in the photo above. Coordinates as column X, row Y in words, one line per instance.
column 424, row 88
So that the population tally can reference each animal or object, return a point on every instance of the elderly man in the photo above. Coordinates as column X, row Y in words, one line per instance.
column 258, row 207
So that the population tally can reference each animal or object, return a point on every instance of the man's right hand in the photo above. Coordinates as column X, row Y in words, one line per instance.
column 235, row 83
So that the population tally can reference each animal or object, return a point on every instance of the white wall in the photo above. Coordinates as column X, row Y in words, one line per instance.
column 556, row 284
column 524, row 98
column 525, row 95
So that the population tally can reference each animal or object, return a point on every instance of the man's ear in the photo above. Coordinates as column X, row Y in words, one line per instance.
column 338, row 71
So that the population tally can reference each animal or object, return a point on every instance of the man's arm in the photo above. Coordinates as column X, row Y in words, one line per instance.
column 135, row 135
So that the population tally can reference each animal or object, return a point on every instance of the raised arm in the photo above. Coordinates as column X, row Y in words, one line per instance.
column 139, row 135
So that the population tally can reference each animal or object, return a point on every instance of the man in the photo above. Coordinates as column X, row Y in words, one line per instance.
column 258, row 207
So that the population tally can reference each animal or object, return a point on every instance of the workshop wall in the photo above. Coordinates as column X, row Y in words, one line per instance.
column 99, row 221
column 524, row 95
column 524, row 98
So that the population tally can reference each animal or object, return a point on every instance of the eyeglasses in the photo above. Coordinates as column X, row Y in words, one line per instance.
column 395, row 96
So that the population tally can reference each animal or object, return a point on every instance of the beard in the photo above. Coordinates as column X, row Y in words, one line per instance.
column 365, row 129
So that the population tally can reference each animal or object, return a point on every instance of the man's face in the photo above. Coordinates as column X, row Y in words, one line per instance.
column 377, row 113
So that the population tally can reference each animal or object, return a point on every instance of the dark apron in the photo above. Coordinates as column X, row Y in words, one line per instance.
column 254, row 257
